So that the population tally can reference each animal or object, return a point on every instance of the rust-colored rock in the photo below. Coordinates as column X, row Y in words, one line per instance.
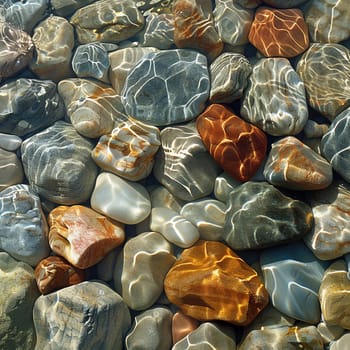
column 210, row 282
column 238, row 147
column 83, row 236
column 55, row 273
column 279, row 32
column 182, row 325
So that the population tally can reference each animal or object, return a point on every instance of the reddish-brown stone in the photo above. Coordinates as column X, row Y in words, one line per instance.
column 182, row 325
column 210, row 282
column 279, row 32
column 54, row 273
column 239, row 147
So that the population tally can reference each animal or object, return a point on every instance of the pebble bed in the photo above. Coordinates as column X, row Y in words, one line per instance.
column 174, row 174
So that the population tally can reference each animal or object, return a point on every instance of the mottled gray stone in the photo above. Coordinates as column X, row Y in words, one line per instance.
column 18, row 292
column 86, row 316
column 259, row 215
column 58, row 164
column 67, row 7
column 11, row 170
column 167, row 87
column 23, row 227
column 9, row 142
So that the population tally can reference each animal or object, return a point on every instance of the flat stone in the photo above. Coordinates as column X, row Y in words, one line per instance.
column 229, row 77
column 82, row 236
column 9, row 142
column 167, row 87
column 293, row 277
column 16, row 49
column 54, row 41
column 18, row 293
column 11, row 169
column 58, row 165
column 161, row 197
column 182, row 325
column 259, row 215
column 183, row 164
column 275, row 98
column 125, row 201
column 279, row 32
column 210, row 282
column 141, row 268
column 343, row 343
column 129, row 150
column 81, row 317
column 325, row 71
column 23, row 227
column 237, row 146
column 29, row 105
column 67, row 7
column 108, row 21
column 293, row 165
column 155, row 322
column 54, row 272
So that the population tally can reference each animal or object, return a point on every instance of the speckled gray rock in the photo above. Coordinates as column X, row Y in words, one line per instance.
column 23, row 227
column 9, row 142
column 29, row 105
column 155, row 322
column 11, row 170
column 58, row 164
column 88, row 316
column 167, row 87
column 259, row 215
column 275, row 98
column 183, row 164
column 67, row 7
column 18, row 292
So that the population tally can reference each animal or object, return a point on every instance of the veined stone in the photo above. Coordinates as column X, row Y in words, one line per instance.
column 54, row 41
column 67, row 7
column 275, row 98
column 54, row 273
column 107, row 21
column 141, row 268
column 58, row 164
column 152, row 88
column 128, row 151
column 325, row 71
column 9, row 142
column 23, row 227
column 82, row 236
column 81, row 317
column 161, row 197
column 284, row 3
column 182, row 325
column 29, row 105
column 11, row 170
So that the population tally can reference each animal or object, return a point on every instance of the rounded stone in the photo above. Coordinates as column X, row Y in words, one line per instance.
column 11, row 169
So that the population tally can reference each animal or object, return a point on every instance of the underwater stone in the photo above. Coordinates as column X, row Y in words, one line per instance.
column 9, row 142
column 182, row 325
column 284, row 3
column 67, row 7
column 11, row 169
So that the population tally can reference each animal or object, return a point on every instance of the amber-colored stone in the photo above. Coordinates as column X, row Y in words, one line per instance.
column 54, row 273
column 210, row 282
column 239, row 147
column 83, row 236
column 279, row 32
column 182, row 325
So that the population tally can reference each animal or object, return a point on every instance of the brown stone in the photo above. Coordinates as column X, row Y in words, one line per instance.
column 279, row 32
column 210, row 282
column 238, row 147
column 83, row 236
column 182, row 325
column 54, row 273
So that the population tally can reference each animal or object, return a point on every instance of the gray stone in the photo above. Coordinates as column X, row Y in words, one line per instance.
column 67, row 7
column 224, row 184
column 10, row 142
column 11, row 169
column 343, row 343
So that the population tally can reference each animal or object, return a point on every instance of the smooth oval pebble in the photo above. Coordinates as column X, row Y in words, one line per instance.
column 9, row 142
column 11, row 170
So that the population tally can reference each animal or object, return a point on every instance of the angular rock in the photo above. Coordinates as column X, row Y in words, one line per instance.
column 210, row 282
column 81, row 317
column 125, row 201
column 23, row 227
column 141, row 268
column 167, row 87
column 29, row 105
column 108, row 21
column 275, row 98
column 67, row 7
column 18, row 293
column 58, row 165
column 182, row 325
column 54, row 41
column 325, row 71
column 11, row 169
column 237, row 146
column 161, row 197
column 259, row 215
column 129, row 150
column 10, row 142
column 183, row 164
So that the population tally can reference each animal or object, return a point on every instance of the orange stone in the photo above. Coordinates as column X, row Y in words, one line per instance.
column 237, row 146
column 210, row 282
column 279, row 32
column 83, row 236
column 54, row 273
column 182, row 325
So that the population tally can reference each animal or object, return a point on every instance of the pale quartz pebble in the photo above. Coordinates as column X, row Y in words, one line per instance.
column 314, row 130
column 125, row 201
column 182, row 325
column 10, row 142
column 208, row 215
column 343, row 343
column 141, row 268
column 161, row 197
column 174, row 227
column 11, row 170
column 224, row 184
column 329, row 333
